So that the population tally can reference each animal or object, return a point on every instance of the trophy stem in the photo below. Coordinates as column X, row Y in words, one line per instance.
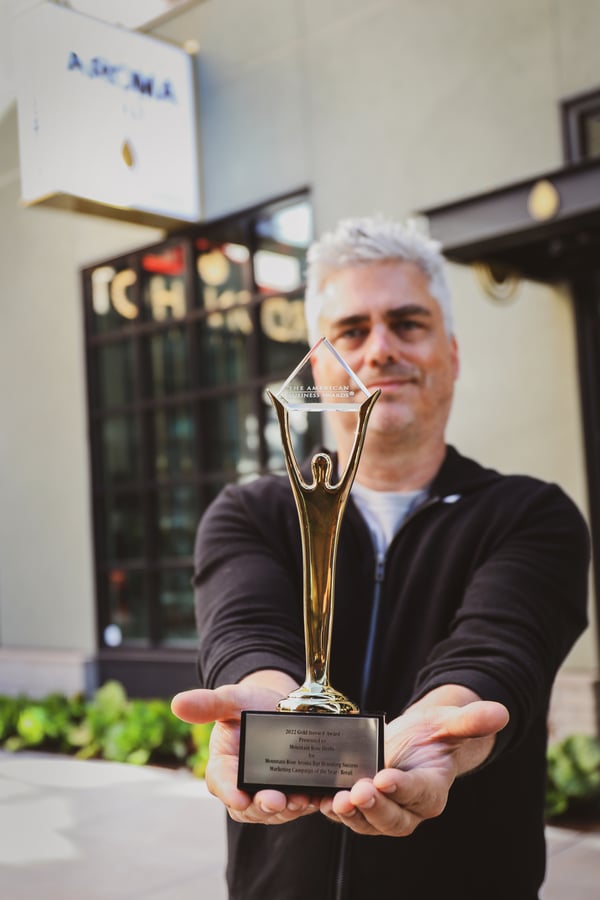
column 320, row 508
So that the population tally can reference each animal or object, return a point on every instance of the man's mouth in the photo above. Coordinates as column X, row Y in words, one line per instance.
column 390, row 383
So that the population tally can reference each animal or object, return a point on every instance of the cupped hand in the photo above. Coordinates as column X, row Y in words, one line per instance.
column 426, row 749
column 223, row 706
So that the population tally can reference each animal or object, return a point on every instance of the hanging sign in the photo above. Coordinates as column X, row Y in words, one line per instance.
column 107, row 119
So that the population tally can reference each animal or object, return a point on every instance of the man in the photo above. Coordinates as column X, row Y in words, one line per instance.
column 459, row 593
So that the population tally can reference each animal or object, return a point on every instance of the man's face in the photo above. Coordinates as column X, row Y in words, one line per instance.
column 384, row 322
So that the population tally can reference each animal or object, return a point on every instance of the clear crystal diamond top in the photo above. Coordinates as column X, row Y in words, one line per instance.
column 301, row 392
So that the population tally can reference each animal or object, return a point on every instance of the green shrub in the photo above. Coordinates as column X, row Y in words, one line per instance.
column 198, row 759
column 573, row 784
column 10, row 710
column 110, row 726
column 25, row 723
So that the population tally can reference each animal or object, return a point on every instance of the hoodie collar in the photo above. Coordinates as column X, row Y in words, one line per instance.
column 456, row 476
column 459, row 475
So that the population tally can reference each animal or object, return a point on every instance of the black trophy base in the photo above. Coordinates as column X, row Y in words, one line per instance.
column 308, row 753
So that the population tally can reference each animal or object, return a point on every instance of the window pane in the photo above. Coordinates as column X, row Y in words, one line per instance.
column 169, row 362
column 283, row 334
column 124, row 527
column 289, row 225
column 120, row 448
column 175, row 442
column 176, row 601
column 178, row 516
column 278, row 270
column 114, row 373
column 164, row 284
column 224, row 274
column 128, row 614
column 592, row 135
column 114, row 297
column 225, row 353
column 282, row 238
column 230, row 429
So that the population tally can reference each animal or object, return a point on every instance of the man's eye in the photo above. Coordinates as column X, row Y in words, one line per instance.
column 407, row 325
column 351, row 334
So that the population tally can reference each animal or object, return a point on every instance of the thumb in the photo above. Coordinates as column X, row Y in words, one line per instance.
column 224, row 703
column 478, row 719
column 201, row 705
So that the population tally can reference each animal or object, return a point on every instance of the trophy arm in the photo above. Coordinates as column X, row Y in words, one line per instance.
column 364, row 413
column 297, row 482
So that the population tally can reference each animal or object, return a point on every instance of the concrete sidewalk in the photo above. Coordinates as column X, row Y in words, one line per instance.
column 573, row 865
column 72, row 830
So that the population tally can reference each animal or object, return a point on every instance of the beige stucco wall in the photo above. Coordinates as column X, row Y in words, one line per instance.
column 382, row 104
column 517, row 397
column 379, row 106
column 46, row 579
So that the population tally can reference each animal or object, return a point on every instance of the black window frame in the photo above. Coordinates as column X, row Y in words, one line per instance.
column 575, row 112
column 240, row 227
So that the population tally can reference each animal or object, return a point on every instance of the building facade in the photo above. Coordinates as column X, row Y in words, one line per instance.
column 118, row 424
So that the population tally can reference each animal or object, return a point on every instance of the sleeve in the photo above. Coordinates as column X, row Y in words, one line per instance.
column 523, row 608
column 248, row 606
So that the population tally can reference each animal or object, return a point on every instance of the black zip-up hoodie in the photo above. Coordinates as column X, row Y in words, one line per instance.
column 485, row 586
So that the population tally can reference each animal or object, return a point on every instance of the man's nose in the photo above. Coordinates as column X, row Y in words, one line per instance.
column 382, row 346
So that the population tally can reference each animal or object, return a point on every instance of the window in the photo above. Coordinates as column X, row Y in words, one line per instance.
column 581, row 127
column 182, row 339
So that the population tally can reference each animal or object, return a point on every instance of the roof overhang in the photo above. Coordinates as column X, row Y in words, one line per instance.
column 543, row 228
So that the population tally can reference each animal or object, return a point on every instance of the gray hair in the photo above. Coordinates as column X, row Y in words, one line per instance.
column 367, row 240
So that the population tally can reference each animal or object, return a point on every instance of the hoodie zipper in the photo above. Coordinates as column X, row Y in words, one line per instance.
column 368, row 664
column 380, row 563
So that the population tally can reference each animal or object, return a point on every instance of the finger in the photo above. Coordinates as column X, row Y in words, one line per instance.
column 343, row 804
column 367, row 811
column 276, row 803
column 342, row 811
column 382, row 813
column 270, row 807
column 419, row 791
column 301, row 803
column 264, row 808
column 270, row 802
column 221, row 781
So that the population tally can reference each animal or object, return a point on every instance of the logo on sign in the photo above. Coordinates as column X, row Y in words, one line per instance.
column 122, row 76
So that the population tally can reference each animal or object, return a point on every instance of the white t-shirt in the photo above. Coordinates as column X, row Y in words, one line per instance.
column 385, row 511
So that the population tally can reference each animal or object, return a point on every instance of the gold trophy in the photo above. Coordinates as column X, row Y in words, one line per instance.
column 317, row 740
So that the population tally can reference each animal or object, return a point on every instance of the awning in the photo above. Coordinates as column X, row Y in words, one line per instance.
column 545, row 228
